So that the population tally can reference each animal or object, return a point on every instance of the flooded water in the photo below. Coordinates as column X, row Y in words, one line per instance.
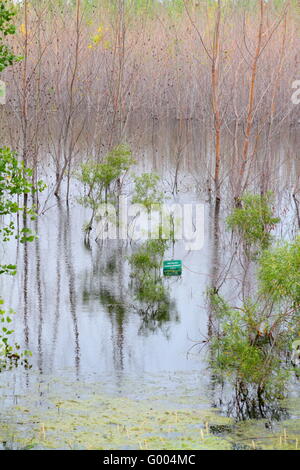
column 76, row 310
column 105, row 374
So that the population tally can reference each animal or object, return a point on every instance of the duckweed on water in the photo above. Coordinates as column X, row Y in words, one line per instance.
column 102, row 422
column 85, row 416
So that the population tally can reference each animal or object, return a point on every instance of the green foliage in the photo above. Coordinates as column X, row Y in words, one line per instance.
column 7, row 12
column 10, row 355
column 254, row 220
column 132, row 8
column 15, row 180
column 156, row 307
column 152, row 291
column 146, row 190
column 255, row 345
column 146, row 262
column 175, row 7
column 148, row 258
column 8, row 269
column 98, row 177
column 279, row 272
column 245, row 348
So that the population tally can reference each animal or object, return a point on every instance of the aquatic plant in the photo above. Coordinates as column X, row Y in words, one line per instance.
column 243, row 339
column 146, row 190
column 253, row 220
column 146, row 261
column 249, row 348
column 254, row 344
column 152, row 295
column 15, row 180
column 102, row 181
column 10, row 354
column 279, row 273
column 162, row 414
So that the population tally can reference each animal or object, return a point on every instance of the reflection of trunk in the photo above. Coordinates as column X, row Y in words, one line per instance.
column 25, row 95
column 215, row 260
column 213, row 287
column 113, row 299
column 40, row 300
column 58, row 279
column 119, row 190
column 25, row 287
column 68, row 182
column 87, row 231
column 250, row 402
column 121, row 317
column 72, row 288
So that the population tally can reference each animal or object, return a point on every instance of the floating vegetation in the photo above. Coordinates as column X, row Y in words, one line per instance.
column 86, row 416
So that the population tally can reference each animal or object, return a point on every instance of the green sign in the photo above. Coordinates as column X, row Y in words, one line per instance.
column 172, row 268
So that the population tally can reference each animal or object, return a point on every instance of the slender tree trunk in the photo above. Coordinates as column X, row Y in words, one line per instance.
column 249, row 121
column 215, row 99
column 25, row 95
column 266, row 162
column 66, row 146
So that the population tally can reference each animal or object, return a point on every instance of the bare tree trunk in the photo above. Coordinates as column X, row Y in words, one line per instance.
column 215, row 99
column 214, row 57
column 67, row 147
column 25, row 95
column 266, row 162
column 249, row 121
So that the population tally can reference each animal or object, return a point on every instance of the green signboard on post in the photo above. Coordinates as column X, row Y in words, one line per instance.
column 172, row 268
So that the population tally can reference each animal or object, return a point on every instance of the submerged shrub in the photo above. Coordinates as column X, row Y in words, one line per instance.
column 279, row 272
column 147, row 260
column 254, row 220
column 146, row 190
column 247, row 349
column 10, row 354
column 152, row 291
column 98, row 178
column 155, row 306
